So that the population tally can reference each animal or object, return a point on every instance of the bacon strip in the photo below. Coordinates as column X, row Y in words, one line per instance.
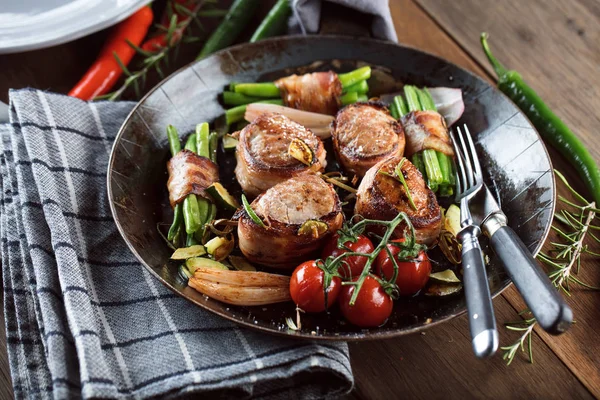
column 318, row 92
column 190, row 173
column 284, row 208
column 426, row 130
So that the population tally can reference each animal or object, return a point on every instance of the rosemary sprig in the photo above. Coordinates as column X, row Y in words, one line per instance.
column 526, row 326
column 399, row 176
column 176, row 33
column 573, row 225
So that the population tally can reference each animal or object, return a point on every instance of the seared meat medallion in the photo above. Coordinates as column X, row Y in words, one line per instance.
column 381, row 196
column 262, row 155
column 364, row 134
column 298, row 214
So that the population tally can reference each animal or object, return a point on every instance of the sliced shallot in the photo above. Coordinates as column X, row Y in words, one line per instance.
column 319, row 124
column 241, row 295
column 449, row 103
column 242, row 278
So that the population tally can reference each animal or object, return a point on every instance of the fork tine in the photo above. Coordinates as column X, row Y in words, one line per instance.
column 467, row 159
column 461, row 179
column 477, row 165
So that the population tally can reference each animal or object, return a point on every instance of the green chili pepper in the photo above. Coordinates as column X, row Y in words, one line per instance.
column 548, row 124
column 274, row 23
column 240, row 13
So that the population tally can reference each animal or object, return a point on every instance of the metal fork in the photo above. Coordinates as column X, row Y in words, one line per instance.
column 552, row 313
column 482, row 323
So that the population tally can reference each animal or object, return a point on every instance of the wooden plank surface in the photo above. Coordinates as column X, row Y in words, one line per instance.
column 439, row 364
column 555, row 46
column 563, row 66
column 442, row 358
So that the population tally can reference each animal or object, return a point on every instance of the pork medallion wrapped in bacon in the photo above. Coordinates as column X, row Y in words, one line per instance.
column 262, row 153
column 364, row 134
column 426, row 130
column 299, row 214
column 318, row 92
column 381, row 195
column 190, row 173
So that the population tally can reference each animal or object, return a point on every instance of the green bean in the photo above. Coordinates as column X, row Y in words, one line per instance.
column 203, row 210
column 270, row 90
column 352, row 77
column 190, row 144
column 190, row 241
column 177, row 237
column 444, row 161
column 417, row 160
column 237, row 99
column 202, row 144
column 445, row 167
column 398, row 107
column 175, row 147
column 177, row 218
column 236, row 114
column 432, row 167
column 426, row 100
column 349, row 98
column 191, row 215
column 361, row 87
column 259, row 89
column 174, row 143
column 412, row 98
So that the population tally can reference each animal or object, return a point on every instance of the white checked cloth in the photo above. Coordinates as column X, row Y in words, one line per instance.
column 83, row 317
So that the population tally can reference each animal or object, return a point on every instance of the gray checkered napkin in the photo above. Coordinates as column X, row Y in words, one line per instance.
column 83, row 317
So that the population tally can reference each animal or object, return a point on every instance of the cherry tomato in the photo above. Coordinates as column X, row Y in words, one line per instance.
column 356, row 263
column 373, row 305
column 412, row 275
column 306, row 287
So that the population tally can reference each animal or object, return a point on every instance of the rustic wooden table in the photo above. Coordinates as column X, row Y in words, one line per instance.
column 556, row 46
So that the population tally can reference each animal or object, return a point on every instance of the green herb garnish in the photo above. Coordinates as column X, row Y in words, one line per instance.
column 399, row 176
column 251, row 212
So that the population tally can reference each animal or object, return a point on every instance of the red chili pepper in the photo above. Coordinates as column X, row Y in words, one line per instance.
column 105, row 71
column 160, row 41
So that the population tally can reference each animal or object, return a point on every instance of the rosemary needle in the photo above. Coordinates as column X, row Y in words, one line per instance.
column 573, row 225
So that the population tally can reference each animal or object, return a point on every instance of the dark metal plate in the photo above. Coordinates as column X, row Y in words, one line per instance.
column 515, row 162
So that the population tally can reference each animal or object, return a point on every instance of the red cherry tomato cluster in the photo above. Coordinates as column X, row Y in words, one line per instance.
column 373, row 305
column 412, row 275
